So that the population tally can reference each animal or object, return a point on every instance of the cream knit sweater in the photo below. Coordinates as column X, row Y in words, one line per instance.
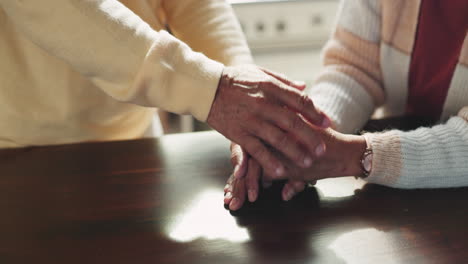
column 80, row 70
column 366, row 66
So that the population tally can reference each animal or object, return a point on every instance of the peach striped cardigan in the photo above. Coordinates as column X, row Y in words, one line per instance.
column 366, row 69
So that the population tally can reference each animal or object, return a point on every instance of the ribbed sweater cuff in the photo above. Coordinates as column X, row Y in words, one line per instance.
column 386, row 160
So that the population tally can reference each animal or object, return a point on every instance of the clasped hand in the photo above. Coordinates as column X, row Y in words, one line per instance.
column 265, row 112
column 277, row 133
column 342, row 158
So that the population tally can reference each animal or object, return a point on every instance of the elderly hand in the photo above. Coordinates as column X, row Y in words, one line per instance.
column 239, row 186
column 342, row 158
column 255, row 107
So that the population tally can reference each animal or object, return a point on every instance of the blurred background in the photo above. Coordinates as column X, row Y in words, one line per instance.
column 284, row 35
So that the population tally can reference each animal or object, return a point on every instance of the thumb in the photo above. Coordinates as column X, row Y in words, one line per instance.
column 239, row 159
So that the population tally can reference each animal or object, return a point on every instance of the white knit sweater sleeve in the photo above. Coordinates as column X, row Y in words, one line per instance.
column 350, row 85
column 113, row 47
column 424, row 158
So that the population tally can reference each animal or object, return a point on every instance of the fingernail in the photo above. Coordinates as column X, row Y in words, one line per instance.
column 289, row 194
column 252, row 195
column 325, row 122
column 307, row 162
column 279, row 171
column 234, row 205
column 320, row 150
column 227, row 198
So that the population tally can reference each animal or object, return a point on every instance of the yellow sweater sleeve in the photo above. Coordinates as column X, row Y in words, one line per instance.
column 210, row 27
column 120, row 53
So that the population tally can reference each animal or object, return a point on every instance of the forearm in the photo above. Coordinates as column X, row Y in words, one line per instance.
column 113, row 47
column 344, row 101
column 350, row 86
column 424, row 158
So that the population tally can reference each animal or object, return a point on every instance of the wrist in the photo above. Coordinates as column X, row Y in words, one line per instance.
column 223, row 84
column 357, row 148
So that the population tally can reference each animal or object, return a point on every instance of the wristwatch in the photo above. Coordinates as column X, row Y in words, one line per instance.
column 366, row 162
column 366, row 159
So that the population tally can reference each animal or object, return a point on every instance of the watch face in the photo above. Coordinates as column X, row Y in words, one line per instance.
column 367, row 161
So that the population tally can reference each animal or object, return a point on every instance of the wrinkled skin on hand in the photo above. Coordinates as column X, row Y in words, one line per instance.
column 342, row 158
column 263, row 111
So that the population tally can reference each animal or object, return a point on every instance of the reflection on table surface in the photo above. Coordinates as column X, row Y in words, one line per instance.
column 160, row 201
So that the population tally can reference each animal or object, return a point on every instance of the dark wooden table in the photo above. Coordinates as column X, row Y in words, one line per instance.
column 160, row 201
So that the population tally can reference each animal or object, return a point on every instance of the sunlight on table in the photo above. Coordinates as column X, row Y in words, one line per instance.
column 356, row 247
column 206, row 218
column 339, row 187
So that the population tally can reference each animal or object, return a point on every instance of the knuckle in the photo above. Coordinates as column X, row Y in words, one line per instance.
column 254, row 129
column 309, row 139
column 314, row 142
column 298, row 155
column 257, row 105
column 274, row 83
column 296, row 123
column 258, row 98
column 291, row 147
column 280, row 140
column 265, row 83
column 259, row 151
column 304, row 101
